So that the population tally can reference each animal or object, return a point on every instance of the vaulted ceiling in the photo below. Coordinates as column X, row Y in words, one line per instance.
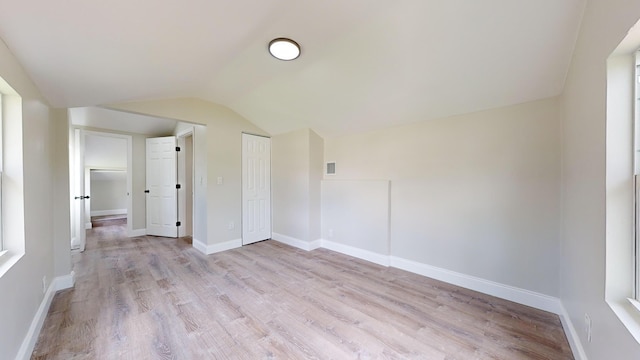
column 365, row 64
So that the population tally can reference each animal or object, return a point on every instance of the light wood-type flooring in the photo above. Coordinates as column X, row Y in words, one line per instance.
column 158, row 298
column 108, row 220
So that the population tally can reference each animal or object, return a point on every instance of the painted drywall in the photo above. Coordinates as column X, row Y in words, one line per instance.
column 290, row 184
column 356, row 213
column 316, row 166
column 583, row 231
column 23, row 281
column 61, row 193
column 296, row 174
column 109, row 193
column 223, row 150
column 477, row 194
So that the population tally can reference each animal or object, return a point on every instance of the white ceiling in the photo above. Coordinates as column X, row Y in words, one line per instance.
column 364, row 64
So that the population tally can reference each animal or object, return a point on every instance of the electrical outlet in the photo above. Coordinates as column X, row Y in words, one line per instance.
column 220, row 180
column 587, row 326
column 44, row 284
column 232, row 225
column 330, row 233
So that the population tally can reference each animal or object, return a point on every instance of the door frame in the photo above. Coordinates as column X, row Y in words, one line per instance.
column 182, row 199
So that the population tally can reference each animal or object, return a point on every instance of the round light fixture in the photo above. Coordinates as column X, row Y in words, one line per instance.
column 284, row 49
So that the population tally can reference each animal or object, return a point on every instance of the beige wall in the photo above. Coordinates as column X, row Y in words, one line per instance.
column 316, row 173
column 296, row 173
column 21, row 286
column 61, row 193
column 476, row 194
column 223, row 150
column 583, row 232
column 290, row 184
column 108, row 194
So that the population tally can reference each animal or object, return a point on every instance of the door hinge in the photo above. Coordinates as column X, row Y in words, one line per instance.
column 178, row 223
column 177, row 148
column 178, row 186
column 146, row 191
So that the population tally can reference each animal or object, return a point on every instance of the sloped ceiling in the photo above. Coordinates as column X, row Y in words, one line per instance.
column 364, row 64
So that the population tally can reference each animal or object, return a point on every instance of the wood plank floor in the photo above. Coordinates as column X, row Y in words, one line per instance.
column 158, row 298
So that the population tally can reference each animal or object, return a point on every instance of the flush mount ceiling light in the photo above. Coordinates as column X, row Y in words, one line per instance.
column 284, row 49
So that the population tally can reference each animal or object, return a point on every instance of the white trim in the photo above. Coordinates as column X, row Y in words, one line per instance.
column 507, row 292
column 199, row 245
column 300, row 244
column 186, row 132
column 357, row 252
column 137, row 232
column 215, row 248
column 29, row 342
column 65, row 282
column 572, row 334
column 109, row 212
column 88, row 225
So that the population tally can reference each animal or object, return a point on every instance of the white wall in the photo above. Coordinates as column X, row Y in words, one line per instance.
column 223, row 153
column 477, row 194
column 21, row 286
column 582, row 270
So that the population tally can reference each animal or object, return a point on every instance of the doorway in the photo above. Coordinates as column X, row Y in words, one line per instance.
column 186, row 177
column 95, row 150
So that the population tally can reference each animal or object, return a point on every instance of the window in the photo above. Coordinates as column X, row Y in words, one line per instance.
column 622, row 283
column 12, row 237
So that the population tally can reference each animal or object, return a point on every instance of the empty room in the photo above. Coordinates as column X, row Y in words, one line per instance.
column 332, row 180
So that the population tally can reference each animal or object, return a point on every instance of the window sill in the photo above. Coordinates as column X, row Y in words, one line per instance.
column 628, row 311
column 7, row 260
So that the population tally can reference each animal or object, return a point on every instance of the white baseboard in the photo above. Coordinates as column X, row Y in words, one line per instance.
column 215, row 248
column 29, row 342
column 507, row 292
column 65, row 282
column 300, row 244
column 357, row 252
column 572, row 335
column 88, row 225
column 109, row 212
column 138, row 232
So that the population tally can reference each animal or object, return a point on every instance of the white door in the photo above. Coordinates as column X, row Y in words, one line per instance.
column 162, row 195
column 256, row 188
column 78, row 232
